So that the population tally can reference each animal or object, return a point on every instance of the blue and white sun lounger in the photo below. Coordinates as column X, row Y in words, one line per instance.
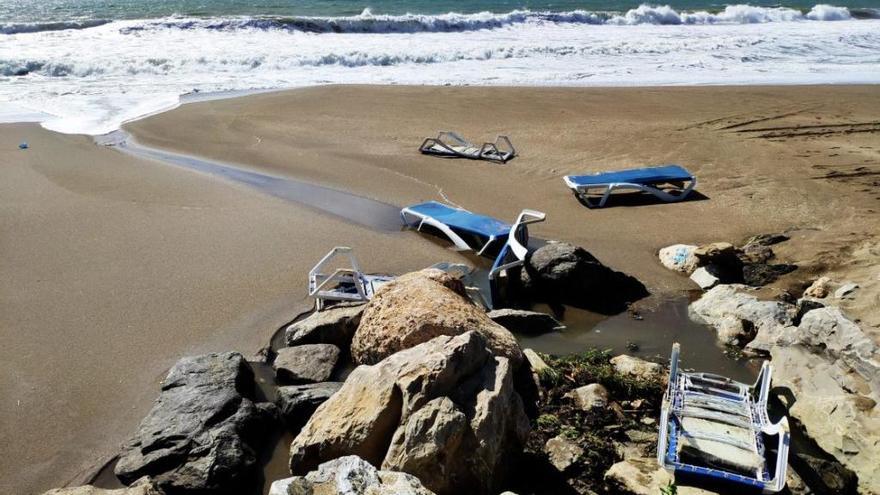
column 484, row 235
column 715, row 428
column 347, row 284
column 451, row 145
column 648, row 180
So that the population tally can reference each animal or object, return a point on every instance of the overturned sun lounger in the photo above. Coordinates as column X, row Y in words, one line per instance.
column 485, row 235
column 348, row 284
column 716, row 428
column 450, row 144
column 665, row 182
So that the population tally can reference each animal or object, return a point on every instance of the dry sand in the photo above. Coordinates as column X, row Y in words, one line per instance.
column 114, row 267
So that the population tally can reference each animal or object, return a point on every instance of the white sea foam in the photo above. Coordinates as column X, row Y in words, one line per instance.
column 93, row 79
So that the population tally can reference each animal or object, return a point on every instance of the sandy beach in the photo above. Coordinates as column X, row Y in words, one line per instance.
column 114, row 267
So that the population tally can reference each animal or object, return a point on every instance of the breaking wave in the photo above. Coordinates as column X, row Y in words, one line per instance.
column 367, row 22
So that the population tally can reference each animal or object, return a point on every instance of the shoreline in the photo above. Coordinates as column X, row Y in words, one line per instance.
column 137, row 265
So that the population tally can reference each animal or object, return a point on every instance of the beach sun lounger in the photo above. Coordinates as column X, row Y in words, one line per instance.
column 450, row 144
column 347, row 284
column 666, row 182
column 487, row 236
column 715, row 428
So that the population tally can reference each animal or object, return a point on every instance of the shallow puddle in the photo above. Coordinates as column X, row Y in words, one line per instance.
column 650, row 337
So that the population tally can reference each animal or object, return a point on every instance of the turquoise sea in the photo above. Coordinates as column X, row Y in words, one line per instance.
column 86, row 66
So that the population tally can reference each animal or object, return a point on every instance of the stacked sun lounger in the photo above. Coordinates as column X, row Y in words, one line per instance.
column 450, row 145
column 717, row 428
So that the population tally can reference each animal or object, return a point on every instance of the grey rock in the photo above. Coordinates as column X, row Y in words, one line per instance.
column 296, row 403
column 824, row 475
column 433, row 444
column 308, row 363
column 349, row 475
column 736, row 314
column 589, row 397
column 755, row 253
column 526, row 322
column 845, row 290
column 760, row 274
column 202, row 430
column 767, row 239
column 562, row 452
column 335, row 325
column 805, row 305
column 704, row 278
column 563, row 273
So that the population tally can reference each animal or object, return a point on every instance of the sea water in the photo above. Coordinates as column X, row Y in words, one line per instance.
column 86, row 66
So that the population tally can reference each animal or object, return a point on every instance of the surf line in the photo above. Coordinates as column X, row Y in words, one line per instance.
column 360, row 210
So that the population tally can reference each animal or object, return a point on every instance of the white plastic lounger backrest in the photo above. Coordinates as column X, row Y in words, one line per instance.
column 318, row 281
column 525, row 217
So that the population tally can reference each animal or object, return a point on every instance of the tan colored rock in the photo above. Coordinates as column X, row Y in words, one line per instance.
column 589, row 397
column 715, row 253
column 448, row 398
column 563, row 453
column 637, row 476
column 145, row 488
column 535, row 362
column 819, row 289
column 419, row 306
column 637, row 368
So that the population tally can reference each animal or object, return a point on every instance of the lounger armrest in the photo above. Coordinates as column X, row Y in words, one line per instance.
column 525, row 218
column 503, row 143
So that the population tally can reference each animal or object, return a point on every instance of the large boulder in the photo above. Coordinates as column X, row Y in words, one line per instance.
column 525, row 322
column 335, row 325
column 562, row 273
column 832, row 370
column 145, row 488
column 202, row 430
column 308, row 363
column 349, row 475
column 389, row 414
column 296, row 403
column 419, row 306
column 741, row 318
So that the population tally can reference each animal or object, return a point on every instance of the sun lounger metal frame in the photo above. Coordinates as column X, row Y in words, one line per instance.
column 676, row 193
column 343, row 284
column 721, row 400
column 511, row 254
column 450, row 144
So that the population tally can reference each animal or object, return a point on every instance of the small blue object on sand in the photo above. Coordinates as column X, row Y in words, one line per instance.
column 643, row 179
column 23, row 145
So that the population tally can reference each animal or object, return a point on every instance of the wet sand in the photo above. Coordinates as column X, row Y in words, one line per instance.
column 115, row 266
column 800, row 159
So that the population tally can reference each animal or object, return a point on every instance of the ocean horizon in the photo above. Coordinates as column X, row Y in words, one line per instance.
column 87, row 66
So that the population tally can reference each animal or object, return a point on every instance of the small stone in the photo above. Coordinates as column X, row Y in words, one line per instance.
column 704, row 278
column 635, row 367
column 535, row 362
column 589, row 397
column 768, row 239
column 306, row 363
column 562, row 452
column 845, row 290
column 648, row 421
column 819, row 288
column 638, row 436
